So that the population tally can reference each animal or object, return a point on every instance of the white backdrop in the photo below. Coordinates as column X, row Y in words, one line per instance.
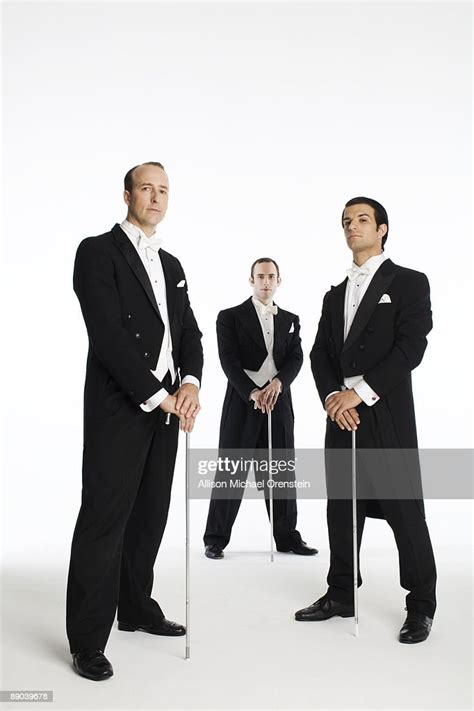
column 267, row 117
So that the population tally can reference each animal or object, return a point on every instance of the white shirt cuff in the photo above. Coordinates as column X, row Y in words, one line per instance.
column 191, row 379
column 365, row 392
column 333, row 393
column 154, row 401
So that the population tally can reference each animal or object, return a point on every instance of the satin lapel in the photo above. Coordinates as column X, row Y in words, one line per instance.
column 338, row 294
column 281, row 326
column 378, row 286
column 135, row 263
column 251, row 324
column 170, row 281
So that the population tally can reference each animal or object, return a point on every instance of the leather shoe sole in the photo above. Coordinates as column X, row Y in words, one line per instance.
column 324, row 609
column 166, row 628
column 299, row 549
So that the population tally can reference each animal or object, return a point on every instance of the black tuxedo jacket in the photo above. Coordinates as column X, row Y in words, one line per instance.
column 124, row 324
column 385, row 343
column 242, row 346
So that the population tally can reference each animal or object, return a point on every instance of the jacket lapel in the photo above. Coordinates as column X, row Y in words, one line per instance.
column 281, row 326
column 378, row 286
column 250, row 323
column 136, row 264
column 171, row 279
column 338, row 294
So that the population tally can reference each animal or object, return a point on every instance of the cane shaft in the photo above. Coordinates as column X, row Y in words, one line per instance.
column 270, row 481
column 354, row 535
column 188, row 580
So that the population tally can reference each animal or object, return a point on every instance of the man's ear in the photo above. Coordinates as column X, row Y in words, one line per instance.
column 382, row 231
column 126, row 197
column 251, row 281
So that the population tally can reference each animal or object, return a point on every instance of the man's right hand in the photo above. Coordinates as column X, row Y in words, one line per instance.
column 169, row 406
column 348, row 420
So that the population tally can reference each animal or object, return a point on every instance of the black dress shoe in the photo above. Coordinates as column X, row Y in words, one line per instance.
column 167, row 628
column 213, row 551
column 297, row 546
column 92, row 664
column 416, row 628
column 323, row 609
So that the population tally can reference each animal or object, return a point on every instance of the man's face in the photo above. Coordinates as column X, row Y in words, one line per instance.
column 148, row 200
column 360, row 229
column 265, row 281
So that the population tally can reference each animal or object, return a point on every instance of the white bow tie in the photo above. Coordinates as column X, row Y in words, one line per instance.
column 355, row 272
column 150, row 242
column 268, row 309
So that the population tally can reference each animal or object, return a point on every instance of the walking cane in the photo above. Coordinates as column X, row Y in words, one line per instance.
column 270, row 482
column 354, row 536
column 188, row 602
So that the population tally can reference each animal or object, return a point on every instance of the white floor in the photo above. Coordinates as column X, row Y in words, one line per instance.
column 247, row 652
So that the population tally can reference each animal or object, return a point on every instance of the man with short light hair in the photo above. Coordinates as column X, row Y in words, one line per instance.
column 142, row 383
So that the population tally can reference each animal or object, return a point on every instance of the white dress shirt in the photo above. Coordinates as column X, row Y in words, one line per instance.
column 357, row 284
column 267, row 370
column 148, row 248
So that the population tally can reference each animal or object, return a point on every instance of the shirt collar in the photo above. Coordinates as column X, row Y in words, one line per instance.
column 264, row 308
column 372, row 263
column 134, row 233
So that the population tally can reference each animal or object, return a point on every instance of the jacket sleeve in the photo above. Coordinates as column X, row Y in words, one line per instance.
column 96, row 289
column 190, row 347
column 323, row 360
column 229, row 349
column 413, row 323
column 293, row 358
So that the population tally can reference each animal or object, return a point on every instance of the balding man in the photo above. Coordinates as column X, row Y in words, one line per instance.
column 142, row 383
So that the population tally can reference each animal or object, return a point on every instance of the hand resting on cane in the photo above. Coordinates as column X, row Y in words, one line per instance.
column 169, row 406
column 265, row 399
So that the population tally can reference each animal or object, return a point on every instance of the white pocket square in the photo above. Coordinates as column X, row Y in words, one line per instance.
column 181, row 283
column 292, row 329
column 385, row 299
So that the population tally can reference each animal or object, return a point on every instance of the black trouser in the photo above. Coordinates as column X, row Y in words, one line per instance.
column 222, row 511
column 392, row 473
column 127, row 475
column 417, row 565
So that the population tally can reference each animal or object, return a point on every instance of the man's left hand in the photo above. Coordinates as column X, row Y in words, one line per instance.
column 269, row 395
column 340, row 402
column 187, row 400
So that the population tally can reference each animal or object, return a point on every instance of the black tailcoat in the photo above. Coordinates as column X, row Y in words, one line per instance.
column 129, row 454
column 242, row 347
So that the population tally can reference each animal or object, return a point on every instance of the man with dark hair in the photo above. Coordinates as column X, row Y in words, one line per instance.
column 371, row 335
column 260, row 353
column 142, row 383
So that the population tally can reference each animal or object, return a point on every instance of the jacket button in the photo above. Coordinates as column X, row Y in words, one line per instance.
column 146, row 355
column 138, row 335
column 353, row 365
column 129, row 315
column 131, row 392
column 370, row 329
column 362, row 347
